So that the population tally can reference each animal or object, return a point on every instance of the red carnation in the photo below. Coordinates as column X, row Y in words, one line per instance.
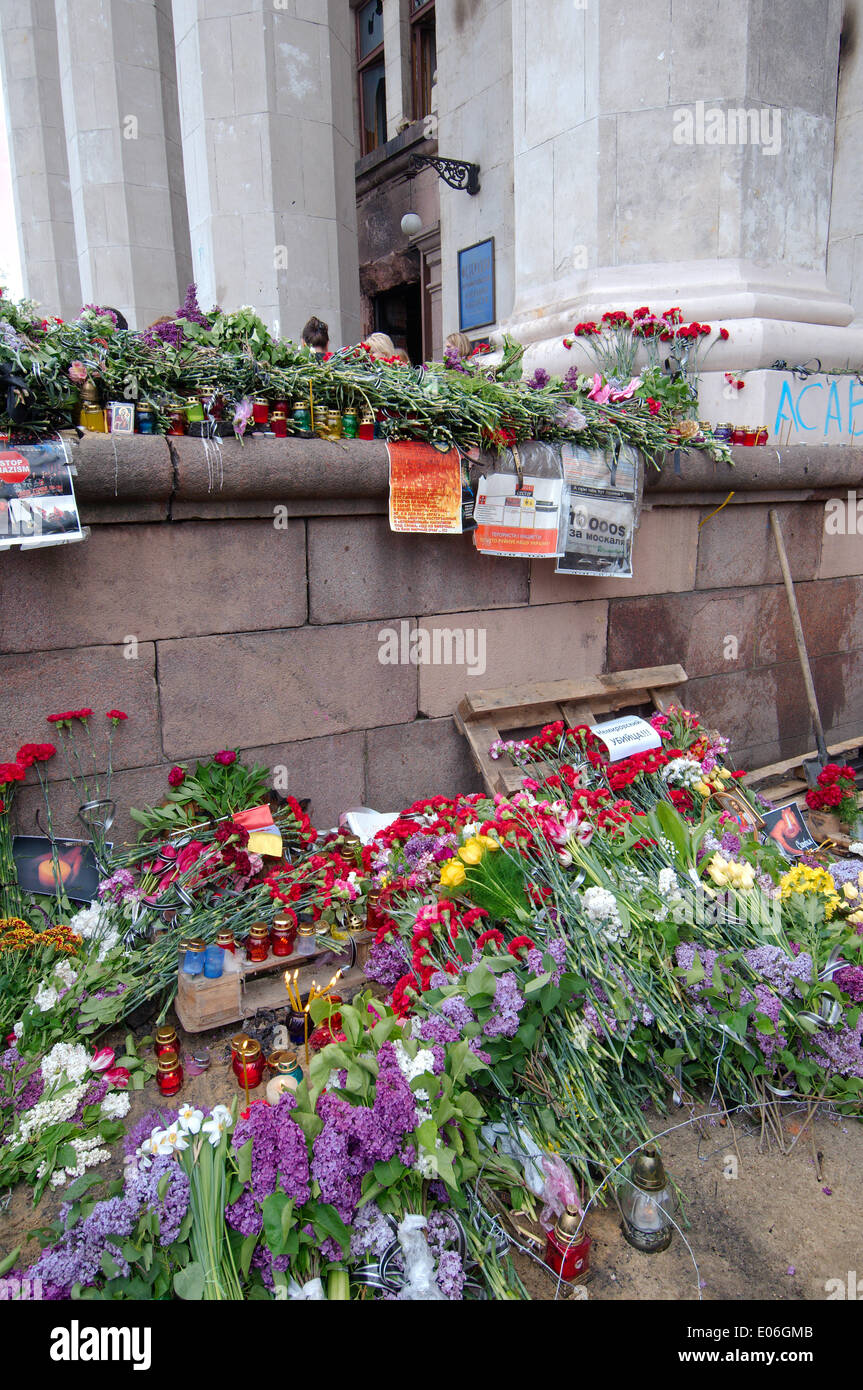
column 82, row 714
column 12, row 772
column 176, row 777
column 723, row 333
column 519, row 944
column 115, row 715
column 226, row 757
column 31, row 753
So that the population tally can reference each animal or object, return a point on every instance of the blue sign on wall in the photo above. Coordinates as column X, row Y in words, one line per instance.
column 476, row 286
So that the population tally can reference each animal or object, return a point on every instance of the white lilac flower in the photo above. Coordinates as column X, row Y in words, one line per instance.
column 190, row 1119
column 51, row 1110
column 580, row 1035
column 45, row 998
column 65, row 1061
column 87, row 1155
column 600, row 905
column 668, row 885
column 64, row 972
column 682, row 772
column 115, row 1105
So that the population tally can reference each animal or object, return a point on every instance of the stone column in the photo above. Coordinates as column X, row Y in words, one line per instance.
column 119, row 104
column 397, row 59
column 845, row 259
column 680, row 155
column 266, row 104
column 37, row 153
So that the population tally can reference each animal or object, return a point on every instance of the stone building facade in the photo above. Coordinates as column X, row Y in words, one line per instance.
column 700, row 154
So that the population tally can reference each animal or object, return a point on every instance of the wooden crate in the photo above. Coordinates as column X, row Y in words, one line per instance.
column 202, row 1004
column 485, row 715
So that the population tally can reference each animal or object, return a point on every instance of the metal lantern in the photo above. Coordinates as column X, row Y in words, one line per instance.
column 645, row 1203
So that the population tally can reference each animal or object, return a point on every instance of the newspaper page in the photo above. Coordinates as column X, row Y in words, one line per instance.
column 602, row 498
column 518, row 507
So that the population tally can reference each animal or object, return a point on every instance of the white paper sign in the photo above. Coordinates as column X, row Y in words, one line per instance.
column 625, row 736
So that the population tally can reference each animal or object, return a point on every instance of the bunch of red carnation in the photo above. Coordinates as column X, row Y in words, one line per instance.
column 836, row 791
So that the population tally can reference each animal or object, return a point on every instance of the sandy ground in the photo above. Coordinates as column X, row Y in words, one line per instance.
column 746, row 1232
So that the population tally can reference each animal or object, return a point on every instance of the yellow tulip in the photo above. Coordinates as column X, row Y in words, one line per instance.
column 855, row 917
column 487, row 842
column 724, row 773
column 701, row 787
column 471, row 852
column 850, row 891
column 452, row 874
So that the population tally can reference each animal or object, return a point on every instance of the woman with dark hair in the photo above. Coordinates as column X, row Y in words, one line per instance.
column 316, row 335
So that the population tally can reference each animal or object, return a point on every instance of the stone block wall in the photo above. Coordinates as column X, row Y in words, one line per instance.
column 213, row 623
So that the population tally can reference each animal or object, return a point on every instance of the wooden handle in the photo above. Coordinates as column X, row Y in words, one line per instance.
column 799, row 638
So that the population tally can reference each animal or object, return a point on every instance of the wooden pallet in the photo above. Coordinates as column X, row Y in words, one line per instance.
column 237, row 995
column 485, row 715
column 785, row 781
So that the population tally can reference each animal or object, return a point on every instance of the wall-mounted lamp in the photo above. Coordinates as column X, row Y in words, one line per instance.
column 458, row 173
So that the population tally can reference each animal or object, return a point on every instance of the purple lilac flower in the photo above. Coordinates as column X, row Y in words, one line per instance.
column 456, row 1010
column 437, row 1030
column 244, row 1216
column 355, row 1138
column 845, row 871
column 387, row 962
column 508, row 1002
column 570, row 381
column 730, row 843
column 26, row 1090
column 77, row 1257
column 557, row 950
column 850, row 981
column 779, row 969
column 478, row 1050
column 453, row 361
column 840, row 1049
column 279, row 1150
column 450, row 1276
column 770, row 1005
column 372, row 1234
column 539, row 380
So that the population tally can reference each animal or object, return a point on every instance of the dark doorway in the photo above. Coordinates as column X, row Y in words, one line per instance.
column 398, row 312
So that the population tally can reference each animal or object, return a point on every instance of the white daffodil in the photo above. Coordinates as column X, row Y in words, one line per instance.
column 221, row 1112
column 190, row 1119
column 215, row 1127
column 172, row 1140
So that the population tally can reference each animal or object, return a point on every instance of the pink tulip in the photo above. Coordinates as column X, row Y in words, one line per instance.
column 598, row 392
column 118, row 1076
column 102, row 1059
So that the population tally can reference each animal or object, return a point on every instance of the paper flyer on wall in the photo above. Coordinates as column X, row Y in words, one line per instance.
column 37, row 497
column 518, row 506
column 425, row 488
column 602, row 499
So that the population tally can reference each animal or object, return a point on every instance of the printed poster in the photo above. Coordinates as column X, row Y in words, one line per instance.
column 602, row 496
column 425, row 488
column 37, row 498
column 518, row 507
column 788, row 831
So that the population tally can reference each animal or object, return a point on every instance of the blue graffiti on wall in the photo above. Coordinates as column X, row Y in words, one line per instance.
column 806, row 415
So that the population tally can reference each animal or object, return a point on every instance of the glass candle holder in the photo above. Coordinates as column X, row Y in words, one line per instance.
column 306, row 943
column 284, row 935
column 260, row 411
column 567, row 1249
column 251, row 1065
column 258, row 942
column 166, row 1040
column 279, row 424
column 169, row 1074
column 193, row 963
column 214, row 962
column 225, row 939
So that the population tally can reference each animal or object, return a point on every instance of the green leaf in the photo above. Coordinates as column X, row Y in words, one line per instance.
column 326, row 1219
column 9, row 1260
column 244, row 1162
column 388, row 1173
column 189, row 1283
column 537, row 984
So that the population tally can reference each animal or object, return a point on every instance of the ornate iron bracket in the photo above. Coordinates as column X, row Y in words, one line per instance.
column 458, row 173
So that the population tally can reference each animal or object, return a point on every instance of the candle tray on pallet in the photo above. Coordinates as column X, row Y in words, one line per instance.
column 245, row 987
